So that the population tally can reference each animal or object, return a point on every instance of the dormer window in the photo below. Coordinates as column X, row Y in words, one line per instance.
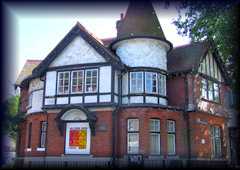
column 63, row 82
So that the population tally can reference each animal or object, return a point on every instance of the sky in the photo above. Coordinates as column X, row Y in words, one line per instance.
column 39, row 28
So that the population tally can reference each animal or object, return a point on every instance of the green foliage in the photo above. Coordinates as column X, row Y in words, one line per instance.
column 213, row 20
column 12, row 117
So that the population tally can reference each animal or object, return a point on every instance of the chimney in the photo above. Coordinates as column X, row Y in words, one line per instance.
column 121, row 16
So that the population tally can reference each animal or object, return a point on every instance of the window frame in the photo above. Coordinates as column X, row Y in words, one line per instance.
column 58, row 81
column 151, row 73
column 142, row 80
column 160, row 83
column 171, row 133
column 30, row 100
column 85, row 78
column 41, row 134
column 213, row 141
column 83, row 81
column 212, row 91
column 133, row 132
column 158, row 132
column 29, row 144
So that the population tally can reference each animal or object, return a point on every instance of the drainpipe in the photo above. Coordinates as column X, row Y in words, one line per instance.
column 114, row 125
column 186, row 115
column 114, row 121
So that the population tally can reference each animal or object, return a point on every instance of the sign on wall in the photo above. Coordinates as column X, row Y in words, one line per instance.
column 77, row 138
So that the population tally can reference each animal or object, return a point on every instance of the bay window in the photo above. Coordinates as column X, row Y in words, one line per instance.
column 154, row 136
column 77, row 81
column 171, row 138
column 136, row 82
column 133, row 136
column 63, row 82
column 150, row 82
column 91, row 76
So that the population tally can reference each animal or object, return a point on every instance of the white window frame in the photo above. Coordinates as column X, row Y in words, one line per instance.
column 164, row 84
column 58, row 81
column 42, row 132
column 136, row 72
column 155, row 132
column 85, row 83
column 130, row 132
column 152, row 73
column 30, row 99
column 172, row 132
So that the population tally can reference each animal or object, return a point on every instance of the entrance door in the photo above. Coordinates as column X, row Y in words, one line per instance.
column 77, row 140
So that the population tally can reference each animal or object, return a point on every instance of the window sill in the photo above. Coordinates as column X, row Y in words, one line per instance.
column 40, row 149
column 210, row 101
column 155, row 157
column 28, row 149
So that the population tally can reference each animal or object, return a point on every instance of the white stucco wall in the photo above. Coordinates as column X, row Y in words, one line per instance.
column 142, row 52
column 37, row 99
column 36, row 90
column 105, row 79
column 51, row 78
column 35, row 84
column 77, row 52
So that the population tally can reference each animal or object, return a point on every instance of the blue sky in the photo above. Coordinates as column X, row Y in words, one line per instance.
column 39, row 28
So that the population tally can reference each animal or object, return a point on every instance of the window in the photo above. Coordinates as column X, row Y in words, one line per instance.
column 43, row 133
column 154, row 136
column 77, row 81
column 133, row 136
column 210, row 90
column 30, row 97
column 63, row 82
column 216, row 141
column 91, row 77
column 136, row 82
column 204, row 89
column 150, row 82
column 162, row 84
column 29, row 134
column 171, row 137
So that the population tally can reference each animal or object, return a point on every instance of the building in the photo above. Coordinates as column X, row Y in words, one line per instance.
column 129, row 100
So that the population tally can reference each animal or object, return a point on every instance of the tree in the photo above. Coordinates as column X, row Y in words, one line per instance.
column 215, row 21
column 12, row 116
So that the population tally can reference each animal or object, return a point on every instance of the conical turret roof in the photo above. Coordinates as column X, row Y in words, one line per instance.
column 140, row 19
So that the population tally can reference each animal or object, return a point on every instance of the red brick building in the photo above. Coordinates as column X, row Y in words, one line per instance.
column 129, row 100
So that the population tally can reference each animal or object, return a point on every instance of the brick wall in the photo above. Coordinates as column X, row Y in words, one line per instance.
column 200, row 124
column 23, row 99
column 176, row 91
column 101, row 143
column 144, row 114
